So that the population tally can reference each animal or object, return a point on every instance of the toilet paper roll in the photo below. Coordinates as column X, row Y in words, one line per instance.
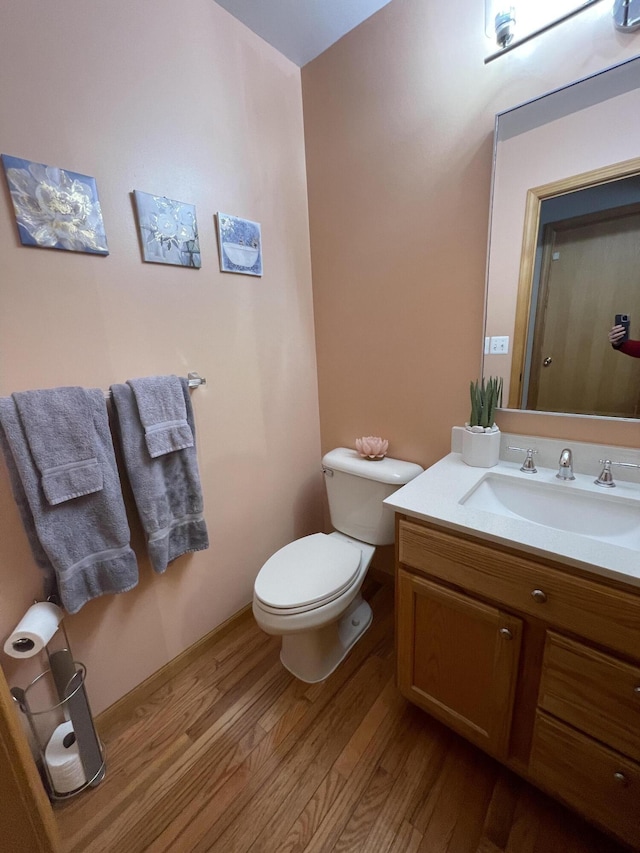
column 34, row 630
column 63, row 760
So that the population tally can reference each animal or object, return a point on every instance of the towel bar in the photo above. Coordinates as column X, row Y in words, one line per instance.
column 194, row 379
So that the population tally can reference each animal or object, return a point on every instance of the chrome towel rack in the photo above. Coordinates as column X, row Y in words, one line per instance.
column 193, row 378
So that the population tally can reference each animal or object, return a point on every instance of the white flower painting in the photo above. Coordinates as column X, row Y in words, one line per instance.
column 55, row 208
column 240, row 245
column 168, row 230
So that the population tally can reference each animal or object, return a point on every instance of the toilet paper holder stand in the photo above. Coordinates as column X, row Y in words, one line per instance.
column 61, row 689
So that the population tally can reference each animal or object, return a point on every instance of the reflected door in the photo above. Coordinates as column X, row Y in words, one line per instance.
column 573, row 367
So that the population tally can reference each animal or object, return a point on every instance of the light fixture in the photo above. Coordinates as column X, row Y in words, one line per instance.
column 505, row 22
column 626, row 15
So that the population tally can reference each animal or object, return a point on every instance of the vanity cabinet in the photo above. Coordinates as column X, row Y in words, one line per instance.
column 460, row 659
column 535, row 662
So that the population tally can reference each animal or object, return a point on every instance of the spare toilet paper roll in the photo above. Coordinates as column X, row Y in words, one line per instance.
column 63, row 760
column 35, row 629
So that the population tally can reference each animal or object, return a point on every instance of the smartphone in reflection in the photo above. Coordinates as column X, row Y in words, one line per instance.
column 623, row 320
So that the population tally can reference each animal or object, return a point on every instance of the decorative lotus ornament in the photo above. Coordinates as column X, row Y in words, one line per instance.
column 372, row 446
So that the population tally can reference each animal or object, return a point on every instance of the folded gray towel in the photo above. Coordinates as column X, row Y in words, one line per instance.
column 84, row 541
column 163, row 414
column 58, row 426
column 167, row 488
column 50, row 583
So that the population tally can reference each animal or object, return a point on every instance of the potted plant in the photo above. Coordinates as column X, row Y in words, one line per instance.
column 481, row 438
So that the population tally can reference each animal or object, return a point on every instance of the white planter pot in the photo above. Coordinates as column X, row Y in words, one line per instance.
column 481, row 449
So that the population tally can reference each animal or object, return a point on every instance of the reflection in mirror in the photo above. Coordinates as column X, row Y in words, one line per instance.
column 586, row 268
column 565, row 247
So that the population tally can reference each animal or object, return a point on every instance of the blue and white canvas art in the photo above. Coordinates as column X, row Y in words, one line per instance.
column 240, row 243
column 168, row 230
column 55, row 208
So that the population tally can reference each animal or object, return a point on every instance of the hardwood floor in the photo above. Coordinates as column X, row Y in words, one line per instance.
column 236, row 755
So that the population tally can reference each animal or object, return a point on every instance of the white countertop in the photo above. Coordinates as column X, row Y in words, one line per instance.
column 435, row 496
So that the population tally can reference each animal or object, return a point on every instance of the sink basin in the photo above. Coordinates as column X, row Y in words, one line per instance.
column 605, row 517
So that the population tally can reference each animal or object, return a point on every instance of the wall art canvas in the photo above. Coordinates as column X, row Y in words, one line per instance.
column 168, row 230
column 240, row 244
column 55, row 208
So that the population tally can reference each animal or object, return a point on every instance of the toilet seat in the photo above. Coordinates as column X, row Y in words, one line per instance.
column 307, row 573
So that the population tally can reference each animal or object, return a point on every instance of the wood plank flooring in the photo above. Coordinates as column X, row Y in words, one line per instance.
column 235, row 755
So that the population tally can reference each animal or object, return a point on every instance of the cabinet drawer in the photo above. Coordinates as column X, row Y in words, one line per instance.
column 595, row 610
column 594, row 780
column 592, row 692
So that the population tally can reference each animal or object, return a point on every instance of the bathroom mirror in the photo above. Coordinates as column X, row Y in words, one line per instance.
column 564, row 247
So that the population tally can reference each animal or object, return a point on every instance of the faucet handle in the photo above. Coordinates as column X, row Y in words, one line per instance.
column 528, row 465
column 606, row 477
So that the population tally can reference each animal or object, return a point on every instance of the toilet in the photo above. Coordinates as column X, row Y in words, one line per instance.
column 309, row 591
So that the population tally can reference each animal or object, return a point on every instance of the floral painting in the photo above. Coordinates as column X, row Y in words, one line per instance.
column 168, row 230
column 240, row 244
column 55, row 208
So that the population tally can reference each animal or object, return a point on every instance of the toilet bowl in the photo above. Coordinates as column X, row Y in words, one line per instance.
column 308, row 592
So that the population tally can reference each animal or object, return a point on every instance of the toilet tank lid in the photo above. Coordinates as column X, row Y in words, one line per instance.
column 393, row 471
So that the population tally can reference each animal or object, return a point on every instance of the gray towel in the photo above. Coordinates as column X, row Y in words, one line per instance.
column 58, row 426
column 167, row 488
column 50, row 584
column 84, row 542
column 163, row 414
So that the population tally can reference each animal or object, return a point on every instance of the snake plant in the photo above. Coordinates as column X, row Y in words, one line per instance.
column 486, row 397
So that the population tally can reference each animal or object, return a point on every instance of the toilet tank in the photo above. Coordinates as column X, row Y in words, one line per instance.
column 356, row 488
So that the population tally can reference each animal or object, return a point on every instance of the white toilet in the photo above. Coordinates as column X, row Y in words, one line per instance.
column 309, row 591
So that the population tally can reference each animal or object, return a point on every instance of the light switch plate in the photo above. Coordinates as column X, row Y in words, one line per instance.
column 499, row 344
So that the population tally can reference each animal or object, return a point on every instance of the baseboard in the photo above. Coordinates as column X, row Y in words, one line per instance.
column 139, row 694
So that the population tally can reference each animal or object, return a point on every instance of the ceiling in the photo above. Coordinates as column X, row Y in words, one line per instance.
column 301, row 29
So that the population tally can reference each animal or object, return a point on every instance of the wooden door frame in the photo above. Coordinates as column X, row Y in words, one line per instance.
column 533, row 205
column 540, row 316
column 27, row 824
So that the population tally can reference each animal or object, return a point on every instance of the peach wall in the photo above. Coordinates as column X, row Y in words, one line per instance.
column 399, row 119
column 187, row 103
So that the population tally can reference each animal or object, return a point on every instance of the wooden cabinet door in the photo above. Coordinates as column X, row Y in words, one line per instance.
column 458, row 659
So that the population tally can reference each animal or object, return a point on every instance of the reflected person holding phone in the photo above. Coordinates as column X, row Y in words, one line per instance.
column 619, row 337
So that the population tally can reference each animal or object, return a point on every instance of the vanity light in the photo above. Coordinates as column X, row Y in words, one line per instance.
column 505, row 22
column 536, row 17
column 626, row 15
column 500, row 21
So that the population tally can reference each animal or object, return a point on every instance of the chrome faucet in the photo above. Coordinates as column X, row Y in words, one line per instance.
column 565, row 465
